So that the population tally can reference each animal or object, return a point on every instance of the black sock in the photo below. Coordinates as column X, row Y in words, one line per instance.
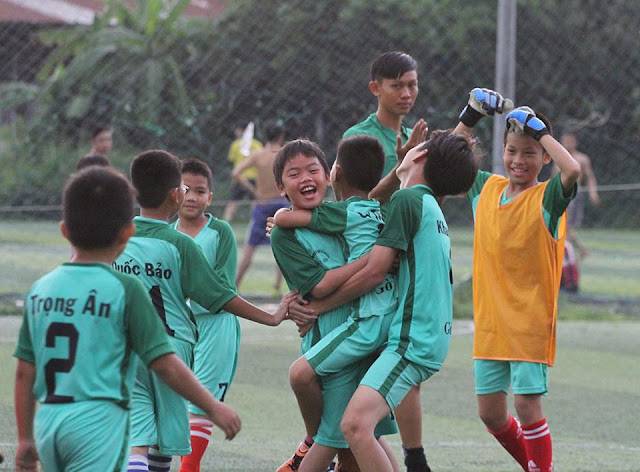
column 415, row 459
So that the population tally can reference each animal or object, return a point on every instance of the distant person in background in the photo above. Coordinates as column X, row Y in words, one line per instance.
column 575, row 211
column 93, row 160
column 236, row 156
column 268, row 198
column 101, row 141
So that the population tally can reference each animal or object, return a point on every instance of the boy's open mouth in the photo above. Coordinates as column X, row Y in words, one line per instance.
column 308, row 190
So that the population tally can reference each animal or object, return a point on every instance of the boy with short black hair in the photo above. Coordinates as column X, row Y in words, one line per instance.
column 314, row 264
column 517, row 264
column 173, row 268
column 420, row 331
column 93, row 160
column 216, row 351
column 82, row 322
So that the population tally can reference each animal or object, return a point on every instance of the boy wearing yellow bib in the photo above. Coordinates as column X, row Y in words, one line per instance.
column 517, row 263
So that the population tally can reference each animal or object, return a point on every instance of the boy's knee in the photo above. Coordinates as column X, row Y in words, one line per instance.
column 528, row 408
column 301, row 373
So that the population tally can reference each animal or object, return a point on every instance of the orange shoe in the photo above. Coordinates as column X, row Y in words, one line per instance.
column 293, row 463
column 346, row 462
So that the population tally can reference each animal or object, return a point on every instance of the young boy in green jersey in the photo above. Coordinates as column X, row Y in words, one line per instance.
column 420, row 331
column 216, row 351
column 173, row 269
column 519, row 231
column 314, row 264
column 82, row 322
column 356, row 171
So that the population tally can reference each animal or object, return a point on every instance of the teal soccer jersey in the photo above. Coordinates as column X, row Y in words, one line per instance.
column 386, row 136
column 173, row 269
column 216, row 352
column 359, row 221
column 421, row 329
column 81, row 324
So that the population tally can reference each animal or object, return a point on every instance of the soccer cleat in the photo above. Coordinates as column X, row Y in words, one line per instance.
column 293, row 463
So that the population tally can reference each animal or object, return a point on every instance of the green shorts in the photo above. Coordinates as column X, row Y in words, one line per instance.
column 525, row 378
column 216, row 354
column 337, row 390
column 72, row 437
column 392, row 376
column 159, row 416
column 353, row 340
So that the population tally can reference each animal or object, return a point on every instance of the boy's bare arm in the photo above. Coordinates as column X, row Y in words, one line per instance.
column 592, row 183
column 25, row 405
column 334, row 278
column 286, row 218
column 242, row 308
column 240, row 168
column 177, row 375
column 371, row 275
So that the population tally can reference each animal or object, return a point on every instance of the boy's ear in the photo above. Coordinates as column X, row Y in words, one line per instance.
column 374, row 87
column 546, row 157
column 209, row 198
column 63, row 230
column 281, row 190
column 126, row 233
column 420, row 155
column 338, row 171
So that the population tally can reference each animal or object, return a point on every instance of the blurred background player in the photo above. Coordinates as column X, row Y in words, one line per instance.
column 101, row 141
column 243, row 145
column 216, row 351
column 267, row 199
column 82, row 323
column 517, row 263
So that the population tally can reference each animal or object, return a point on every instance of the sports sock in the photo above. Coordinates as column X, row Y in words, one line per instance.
column 158, row 462
column 511, row 438
column 137, row 463
column 308, row 441
column 200, row 437
column 415, row 459
column 537, row 440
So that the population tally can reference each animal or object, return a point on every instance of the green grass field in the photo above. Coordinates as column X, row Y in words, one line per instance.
column 594, row 390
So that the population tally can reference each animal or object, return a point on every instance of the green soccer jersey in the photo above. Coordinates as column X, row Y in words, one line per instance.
column 217, row 241
column 359, row 221
column 81, row 324
column 173, row 268
column 554, row 203
column 415, row 225
column 386, row 136
column 304, row 257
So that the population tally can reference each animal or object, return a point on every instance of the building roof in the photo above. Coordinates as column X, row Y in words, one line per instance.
column 83, row 11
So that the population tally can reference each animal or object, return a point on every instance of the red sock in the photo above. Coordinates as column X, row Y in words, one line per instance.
column 537, row 440
column 200, row 437
column 511, row 438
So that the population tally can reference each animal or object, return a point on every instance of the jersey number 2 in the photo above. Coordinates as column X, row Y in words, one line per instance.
column 51, row 368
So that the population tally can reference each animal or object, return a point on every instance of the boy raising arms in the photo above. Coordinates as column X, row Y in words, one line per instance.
column 216, row 351
column 420, row 331
column 82, row 322
column 517, row 263
column 172, row 268
column 314, row 264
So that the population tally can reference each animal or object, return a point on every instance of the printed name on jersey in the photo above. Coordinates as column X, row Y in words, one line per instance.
column 442, row 227
column 67, row 306
column 373, row 213
column 148, row 269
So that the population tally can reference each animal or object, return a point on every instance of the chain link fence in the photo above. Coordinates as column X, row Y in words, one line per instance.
column 161, row 79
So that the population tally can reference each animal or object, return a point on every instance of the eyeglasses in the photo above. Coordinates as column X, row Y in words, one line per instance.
column 184, row 188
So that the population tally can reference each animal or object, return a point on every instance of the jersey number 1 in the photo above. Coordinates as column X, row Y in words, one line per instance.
column 51, row 368
column 158, row 303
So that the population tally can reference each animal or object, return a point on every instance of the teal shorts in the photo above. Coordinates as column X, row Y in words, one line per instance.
column 159, row 416
column 353, row 340
column 337, row 390
column 89, row 435
column 392, row 376
column 216, row 354
column 525, row 378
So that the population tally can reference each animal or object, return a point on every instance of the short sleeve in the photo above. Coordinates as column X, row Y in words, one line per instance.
column 554, row 202
column 227, row 253
column 403, row 214
column 301, row 271
column 329, row 218
column 24, row 348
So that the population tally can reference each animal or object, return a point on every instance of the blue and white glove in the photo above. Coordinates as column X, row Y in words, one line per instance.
column 483, row 102
column 524, row 120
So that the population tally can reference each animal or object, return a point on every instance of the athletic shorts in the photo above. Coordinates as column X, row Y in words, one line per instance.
column 258, row 228
column 216, row 354
column 337, row 390
column 392, row 376
column 525, row 378
column 89, row 435
column 240, row 192
column 159, row 416
column 352, row 341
